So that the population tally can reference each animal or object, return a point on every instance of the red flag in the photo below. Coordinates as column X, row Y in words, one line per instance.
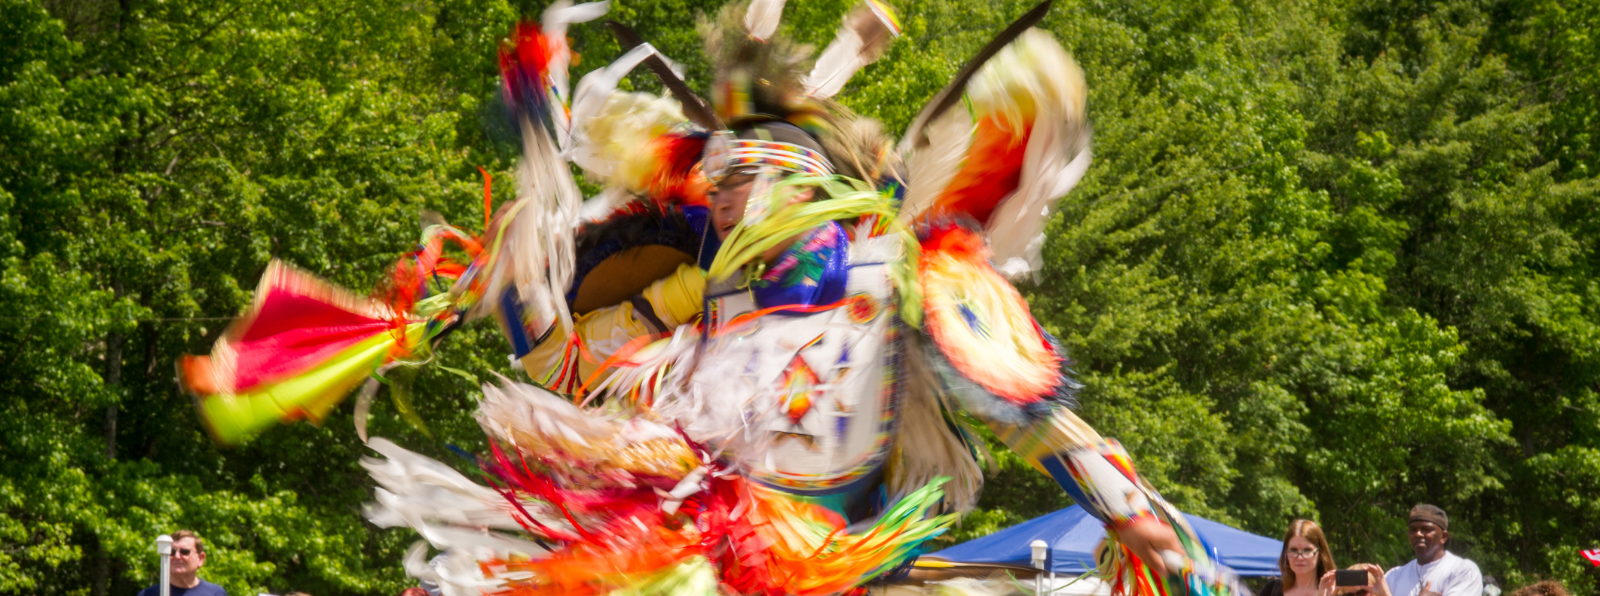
column 1593, row 555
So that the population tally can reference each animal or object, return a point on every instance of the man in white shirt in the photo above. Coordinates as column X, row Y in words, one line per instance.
column 1435, row 571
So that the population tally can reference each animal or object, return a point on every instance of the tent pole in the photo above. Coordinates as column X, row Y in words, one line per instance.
column 1040, row 552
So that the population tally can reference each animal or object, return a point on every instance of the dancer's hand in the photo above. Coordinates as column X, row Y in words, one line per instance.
column 1147, row 538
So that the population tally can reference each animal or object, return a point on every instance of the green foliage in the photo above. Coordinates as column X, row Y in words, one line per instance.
column 1333, row 259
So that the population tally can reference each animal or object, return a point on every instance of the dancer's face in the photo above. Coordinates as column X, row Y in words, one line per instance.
column 728, row 201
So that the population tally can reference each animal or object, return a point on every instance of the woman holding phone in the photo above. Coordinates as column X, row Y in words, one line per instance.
column 1364, row 579
column 1304, row 559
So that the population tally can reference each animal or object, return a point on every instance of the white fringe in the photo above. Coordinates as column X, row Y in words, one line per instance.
column 537, row 253
column 451, row 513
column 517, row 409
column 927, row 448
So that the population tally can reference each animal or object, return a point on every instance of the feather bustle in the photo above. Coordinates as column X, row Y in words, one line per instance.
column 931, row 168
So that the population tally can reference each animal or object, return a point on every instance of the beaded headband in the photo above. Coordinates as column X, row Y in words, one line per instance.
column 726, row 156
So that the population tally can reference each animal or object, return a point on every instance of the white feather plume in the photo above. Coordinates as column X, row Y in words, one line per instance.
column 762, row 18
column 1016, row 229
column 1032, row 78
column 1034, row 75
column 610, row 126
column 861, row 41
column 554, row 24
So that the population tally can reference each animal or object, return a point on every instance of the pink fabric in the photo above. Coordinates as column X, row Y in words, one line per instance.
column 293, row 333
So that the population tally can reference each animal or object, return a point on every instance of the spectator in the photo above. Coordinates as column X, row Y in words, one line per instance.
column 1305, row 557
column 1435, row 571
column 188, row 556
column 1544, row 588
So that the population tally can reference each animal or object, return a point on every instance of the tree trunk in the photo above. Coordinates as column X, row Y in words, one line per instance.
column 113, row 379
column 101, row 581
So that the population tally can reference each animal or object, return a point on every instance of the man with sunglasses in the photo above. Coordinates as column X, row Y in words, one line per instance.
column 188, row 556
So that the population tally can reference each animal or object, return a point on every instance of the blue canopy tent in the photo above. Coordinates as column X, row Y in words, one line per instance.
column 1073, row 534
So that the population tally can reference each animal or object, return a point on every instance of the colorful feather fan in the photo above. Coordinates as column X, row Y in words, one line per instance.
column 305, row 344
column 980, row 322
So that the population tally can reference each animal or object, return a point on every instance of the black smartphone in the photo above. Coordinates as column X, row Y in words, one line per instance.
column 1350, row 577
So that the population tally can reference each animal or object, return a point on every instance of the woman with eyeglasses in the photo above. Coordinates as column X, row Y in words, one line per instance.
column 1304, row 559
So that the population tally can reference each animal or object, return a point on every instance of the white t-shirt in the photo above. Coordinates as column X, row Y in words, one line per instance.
column 1450, row 575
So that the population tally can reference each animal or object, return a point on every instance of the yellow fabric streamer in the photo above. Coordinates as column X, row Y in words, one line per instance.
column 231, row 419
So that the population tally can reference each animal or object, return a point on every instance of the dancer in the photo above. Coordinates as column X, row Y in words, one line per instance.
column 749, row 351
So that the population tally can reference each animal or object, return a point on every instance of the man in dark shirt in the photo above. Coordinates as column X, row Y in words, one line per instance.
column 188, row 556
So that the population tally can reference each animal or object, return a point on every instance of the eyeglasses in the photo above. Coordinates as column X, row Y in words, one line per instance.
column 1302, row 554
column 184, row 552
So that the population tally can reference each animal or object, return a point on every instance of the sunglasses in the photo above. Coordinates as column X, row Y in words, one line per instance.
column 184, row 552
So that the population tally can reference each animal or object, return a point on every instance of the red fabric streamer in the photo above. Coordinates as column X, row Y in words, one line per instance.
column 297, row 323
